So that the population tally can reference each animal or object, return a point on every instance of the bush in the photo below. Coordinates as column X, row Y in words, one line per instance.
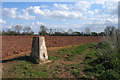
column 109, row 75
column 106, row 66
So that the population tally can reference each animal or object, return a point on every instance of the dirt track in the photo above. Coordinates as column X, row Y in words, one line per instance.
column 12, row 45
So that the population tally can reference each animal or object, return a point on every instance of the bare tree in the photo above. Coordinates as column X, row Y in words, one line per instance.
column 55, row 30
column 61, row 30
column 51, row 31
column 42, row 30
column 27, row 29
column 18, row 28
column 113, row 30
column 70, row 31
column 87, row 31
column 107, row 30
column 110, row 30
column 112, row 38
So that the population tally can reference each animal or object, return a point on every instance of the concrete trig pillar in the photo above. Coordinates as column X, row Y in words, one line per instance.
column 39, row 50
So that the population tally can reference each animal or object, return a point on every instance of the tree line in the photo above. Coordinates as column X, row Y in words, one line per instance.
column 109, row 30
column 16, row 31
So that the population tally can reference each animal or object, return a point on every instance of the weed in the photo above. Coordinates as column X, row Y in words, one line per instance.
column 105, row 66
column 75, row 72
column 52, row 58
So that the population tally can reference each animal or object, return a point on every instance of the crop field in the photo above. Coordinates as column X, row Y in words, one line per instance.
column 12, row 45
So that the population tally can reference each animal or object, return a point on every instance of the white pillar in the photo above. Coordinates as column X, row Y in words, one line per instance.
column 39, row 50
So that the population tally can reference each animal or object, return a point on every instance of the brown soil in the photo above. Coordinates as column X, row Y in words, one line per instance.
column 12, row 45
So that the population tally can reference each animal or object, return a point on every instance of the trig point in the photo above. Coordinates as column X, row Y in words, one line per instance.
column 39, row 50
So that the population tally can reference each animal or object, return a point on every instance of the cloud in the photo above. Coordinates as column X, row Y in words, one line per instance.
column 35, row 10
column 91, row 12
column 9, row 12
column 43, row 6
column 82, row 5
column 61, row 6
column 99, row 2
column 12, row 13
column 104, row 20
column 58, row 14
column 2, row 21
column 108, row 0
column 33, row 23
column 40, row 23
column 107, row 8
column 83, row 14
column 10, row 27
column 79, row 6
column 111, row 8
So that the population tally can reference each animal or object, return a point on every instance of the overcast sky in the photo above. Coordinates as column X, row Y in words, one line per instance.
column 95, row 15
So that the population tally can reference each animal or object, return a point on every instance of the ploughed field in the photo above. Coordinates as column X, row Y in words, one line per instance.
column 12, row 45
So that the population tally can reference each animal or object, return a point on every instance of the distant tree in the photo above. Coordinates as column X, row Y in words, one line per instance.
column 87, row 31
column 113, row 30
column 58, row 34
column 82, row 33
column 70, row 31
column 50, row 31
column 66, row 34
column 94, row 34
column 27, row 29
column 101, row 34
column 77, row 33
column 62, row 31
column 109, row 30
column 3, row 32
column 42, row 30
column 31, row 33
column 11, row 32
column 55, row 30
column 18, row 28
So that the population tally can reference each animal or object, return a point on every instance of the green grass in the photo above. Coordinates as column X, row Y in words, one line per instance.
column 29, row 68
column 73, row 51
column 53, row 58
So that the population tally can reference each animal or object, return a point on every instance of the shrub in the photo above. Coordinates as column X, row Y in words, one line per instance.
column 109, row 75
column 106, row 66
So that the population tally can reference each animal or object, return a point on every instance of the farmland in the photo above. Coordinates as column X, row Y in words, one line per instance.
column 12, row 45
column 66, row 63
column 62, row 40
column 82, row 57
